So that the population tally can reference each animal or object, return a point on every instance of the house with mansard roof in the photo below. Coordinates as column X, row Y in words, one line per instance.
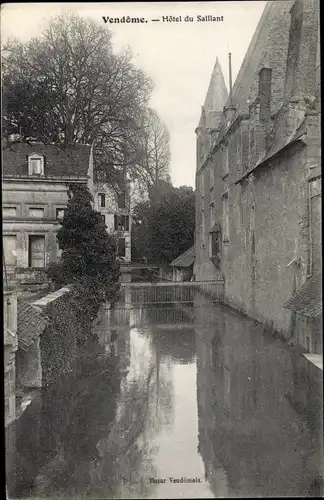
column 35, row 183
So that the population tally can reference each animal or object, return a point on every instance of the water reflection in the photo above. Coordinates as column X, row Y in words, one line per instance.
column 139, row 316
column 219, row 402
column 106, row 430
column 257, row 437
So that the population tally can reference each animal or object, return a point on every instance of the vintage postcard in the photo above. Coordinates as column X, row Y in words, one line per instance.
column 162, row 268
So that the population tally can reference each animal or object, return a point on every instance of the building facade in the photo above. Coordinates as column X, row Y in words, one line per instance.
column 36, row 179
column 258, row 179
column 113, row 201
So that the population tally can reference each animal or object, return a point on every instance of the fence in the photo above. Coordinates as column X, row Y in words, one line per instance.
column 170, row 292
column 142, row 263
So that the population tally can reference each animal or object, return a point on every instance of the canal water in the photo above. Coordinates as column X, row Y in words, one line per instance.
column 174, row 403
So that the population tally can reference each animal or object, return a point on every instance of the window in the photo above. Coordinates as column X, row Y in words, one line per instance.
column 9, row 248
column 60, row 213
column 212, row 176
column 225, row 218
column 36, row 165
column 121, row 222
column 58, row 250
column 121, row 200
column 36, row 212
column 215, row 245
column 100, row 176
column 36, row 251
column 211, row 215
column 201, row 184
column 102, row 200
column 225, row 161
column 121, row 247
column 103, row 218
column 9, row 212
column 203, row 228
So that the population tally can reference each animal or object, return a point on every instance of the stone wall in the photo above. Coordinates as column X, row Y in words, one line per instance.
column 266, row 235
column 63, row 334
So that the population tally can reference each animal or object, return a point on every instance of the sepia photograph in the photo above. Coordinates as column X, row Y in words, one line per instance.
column 162, row 250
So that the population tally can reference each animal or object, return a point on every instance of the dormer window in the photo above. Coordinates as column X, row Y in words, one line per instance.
column 35, row 164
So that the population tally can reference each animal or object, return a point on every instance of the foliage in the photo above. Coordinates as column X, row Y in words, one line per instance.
column 68, row 86
column 163, row 229
column 88, row 258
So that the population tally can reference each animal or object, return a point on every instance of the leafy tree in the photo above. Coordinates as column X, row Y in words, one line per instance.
column 88, row 258
column 164, row 229
column 67, row 85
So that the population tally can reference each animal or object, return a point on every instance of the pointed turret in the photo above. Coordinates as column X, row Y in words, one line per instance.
column 211, row 113
column 217, row 92
column 215, row 101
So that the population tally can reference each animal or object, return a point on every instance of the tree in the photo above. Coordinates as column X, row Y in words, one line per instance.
column 165, row 229
column 154, row 153
column 67, row 85
column 88, row 258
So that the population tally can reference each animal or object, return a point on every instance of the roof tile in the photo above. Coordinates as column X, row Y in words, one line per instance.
column 308, row 299
column 70, row 161
column 186, row 259
column 31, row 324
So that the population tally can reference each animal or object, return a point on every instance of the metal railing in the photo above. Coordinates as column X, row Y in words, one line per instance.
column 141, row 263
column 145, row 261
column 45, row 176
column 170, row 292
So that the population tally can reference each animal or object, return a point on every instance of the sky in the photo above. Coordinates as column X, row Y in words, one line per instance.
column 178, row 56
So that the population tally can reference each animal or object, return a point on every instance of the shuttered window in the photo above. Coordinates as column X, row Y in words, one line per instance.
column 102, row 200
column 121, row 247
column 121, row 222
column 121, row 199
column 36, row 251
column 36, row 165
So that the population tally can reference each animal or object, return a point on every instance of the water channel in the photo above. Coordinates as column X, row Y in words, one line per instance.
column 175, row 403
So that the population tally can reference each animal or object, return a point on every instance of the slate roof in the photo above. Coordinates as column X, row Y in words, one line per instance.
column 215, row 100
column 70, row 161
column 277, row 145
column 308, row 299
column 30, row 325
column 268, row 49
column 186, row 259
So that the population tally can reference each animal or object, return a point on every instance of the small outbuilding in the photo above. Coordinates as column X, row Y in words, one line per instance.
column 183, row 265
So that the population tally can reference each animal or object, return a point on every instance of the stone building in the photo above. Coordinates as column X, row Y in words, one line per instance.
column 35, row 185
column 113, row 201
column 258, row 179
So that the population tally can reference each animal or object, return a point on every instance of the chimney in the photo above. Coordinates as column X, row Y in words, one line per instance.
column 300, row 77
column 265, row 105
column 229, row 110
column 260, row 117
column 230, row 76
